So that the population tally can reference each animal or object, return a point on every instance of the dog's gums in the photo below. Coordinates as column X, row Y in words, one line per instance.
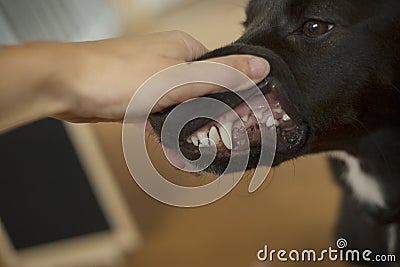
column 231, row 134
column 239, row 128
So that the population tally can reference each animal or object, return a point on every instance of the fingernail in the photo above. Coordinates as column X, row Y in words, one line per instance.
column 259, row 67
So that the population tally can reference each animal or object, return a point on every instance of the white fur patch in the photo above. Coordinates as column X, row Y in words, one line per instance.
column 392, row 238
column 364, row 186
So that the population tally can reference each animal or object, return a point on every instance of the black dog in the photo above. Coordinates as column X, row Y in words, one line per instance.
column 334, row 87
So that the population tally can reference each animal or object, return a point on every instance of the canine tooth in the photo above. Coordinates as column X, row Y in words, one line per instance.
column 258, row 115
column 204, row 143
column 226, row 135
column 201, row 136
column 214, row 135
column 276, row 123
column 270, row 121
column 277, row 110
column 286, row 117
column 189, row 140
column 245, row 118
column 195, row 140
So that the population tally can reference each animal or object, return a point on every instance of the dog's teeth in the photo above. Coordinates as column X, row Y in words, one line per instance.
column 214, row 135
column 277, row 110
column 270, row 122
column 286, row 117
column 226, row 135
column 195, row 141
column 204, row 143
column 245, row 118
column 258, row 115
column 201, row 136
column 189, row 140
column 276, row 123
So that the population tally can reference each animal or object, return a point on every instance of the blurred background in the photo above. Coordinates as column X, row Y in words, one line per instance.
column 295, row 209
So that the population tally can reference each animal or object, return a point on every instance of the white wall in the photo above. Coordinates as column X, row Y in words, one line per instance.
column 71, row 20
column 159, row 6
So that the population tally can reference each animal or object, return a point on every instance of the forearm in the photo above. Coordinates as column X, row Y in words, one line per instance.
column 94, row 81
column 24, row 72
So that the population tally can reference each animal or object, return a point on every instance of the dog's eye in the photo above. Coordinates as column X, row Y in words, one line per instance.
column 315, row 28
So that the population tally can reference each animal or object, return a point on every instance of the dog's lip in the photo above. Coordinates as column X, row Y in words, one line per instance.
column 277, row 100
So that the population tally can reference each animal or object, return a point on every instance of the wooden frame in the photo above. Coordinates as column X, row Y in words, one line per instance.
column 99, row 249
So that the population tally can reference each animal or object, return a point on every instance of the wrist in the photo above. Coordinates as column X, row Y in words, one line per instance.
column 25, row 96
column 55, row 69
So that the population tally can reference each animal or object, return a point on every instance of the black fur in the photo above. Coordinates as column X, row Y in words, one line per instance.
column 343, row 87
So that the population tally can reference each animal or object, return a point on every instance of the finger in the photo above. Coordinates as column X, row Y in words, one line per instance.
column 183, row 46
column 194, row 47
column 254, row 67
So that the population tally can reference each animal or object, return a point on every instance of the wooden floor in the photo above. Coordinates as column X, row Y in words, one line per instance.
column 295, row 209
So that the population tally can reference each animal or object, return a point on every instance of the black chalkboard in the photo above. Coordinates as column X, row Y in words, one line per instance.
column 45, row 195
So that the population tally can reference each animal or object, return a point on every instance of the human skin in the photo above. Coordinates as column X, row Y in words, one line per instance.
column 94, row 81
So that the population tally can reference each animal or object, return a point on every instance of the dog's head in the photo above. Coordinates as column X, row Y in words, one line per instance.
column 334, row 76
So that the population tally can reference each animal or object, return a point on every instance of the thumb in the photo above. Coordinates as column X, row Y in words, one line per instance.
column 256, row 68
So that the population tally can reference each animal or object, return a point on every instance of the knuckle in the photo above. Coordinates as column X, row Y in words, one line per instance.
column 241, row 63
column 178, row 34
column 174, row 97
column 185, row 35
column 244, row 66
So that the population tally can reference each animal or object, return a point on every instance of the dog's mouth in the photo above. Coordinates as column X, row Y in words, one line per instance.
column 278, row 112
column 274, row 114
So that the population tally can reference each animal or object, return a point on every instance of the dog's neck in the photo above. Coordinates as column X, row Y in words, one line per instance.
column 371, row 172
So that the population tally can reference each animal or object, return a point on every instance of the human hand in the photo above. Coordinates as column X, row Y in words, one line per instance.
column 96, row 80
